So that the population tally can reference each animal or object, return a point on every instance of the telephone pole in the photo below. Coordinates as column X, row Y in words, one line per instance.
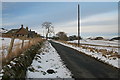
column 78, row 25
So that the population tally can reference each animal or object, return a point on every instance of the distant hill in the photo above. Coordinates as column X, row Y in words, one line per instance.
column 99, row 38
column 2, row 30
column 115, row 38
column 96, row 38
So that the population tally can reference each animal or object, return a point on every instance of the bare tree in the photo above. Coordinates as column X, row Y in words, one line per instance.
column 49, row 28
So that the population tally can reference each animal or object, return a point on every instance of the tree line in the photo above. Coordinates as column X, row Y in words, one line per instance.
column 63, row 36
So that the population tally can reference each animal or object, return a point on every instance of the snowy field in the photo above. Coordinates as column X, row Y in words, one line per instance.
column 98, row 42
column 112, row 45
column 5, row 42
column 48, row 64
column 109, row 60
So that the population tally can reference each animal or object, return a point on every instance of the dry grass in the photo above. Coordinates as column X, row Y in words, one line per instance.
column 18, row 50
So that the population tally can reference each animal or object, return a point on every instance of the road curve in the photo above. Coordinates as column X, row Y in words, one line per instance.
column 83, row 66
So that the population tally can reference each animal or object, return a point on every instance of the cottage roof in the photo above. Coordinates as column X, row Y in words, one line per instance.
column 22, row 31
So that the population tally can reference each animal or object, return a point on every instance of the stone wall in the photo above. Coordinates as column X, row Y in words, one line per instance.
column 18, row 66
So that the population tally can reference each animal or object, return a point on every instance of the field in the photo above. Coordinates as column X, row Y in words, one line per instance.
column 109, row 46
column 98, row 42
column 5, row 43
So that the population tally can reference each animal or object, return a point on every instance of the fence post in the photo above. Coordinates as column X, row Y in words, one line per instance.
column 22, row 43
column 11, row 45
column 29, row 42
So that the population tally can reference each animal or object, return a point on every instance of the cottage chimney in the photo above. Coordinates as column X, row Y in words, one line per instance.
column 27, row 28
column 22, row 26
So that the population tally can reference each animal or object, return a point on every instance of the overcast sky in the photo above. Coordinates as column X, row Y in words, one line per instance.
column 97, row 18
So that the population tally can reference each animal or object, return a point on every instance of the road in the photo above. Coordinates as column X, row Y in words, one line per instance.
column 83, row 66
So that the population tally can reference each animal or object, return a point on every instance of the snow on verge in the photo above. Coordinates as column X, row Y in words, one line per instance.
column 47, row 61
column 111, row 61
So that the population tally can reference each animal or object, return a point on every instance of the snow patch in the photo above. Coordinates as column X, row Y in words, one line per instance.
column 46, row 61
column 98, row 42
column 2, row 30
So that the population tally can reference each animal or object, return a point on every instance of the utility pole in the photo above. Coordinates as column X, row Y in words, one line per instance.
column 78, row 25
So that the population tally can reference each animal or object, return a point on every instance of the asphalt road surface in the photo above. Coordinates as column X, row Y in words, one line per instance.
column 83, row 66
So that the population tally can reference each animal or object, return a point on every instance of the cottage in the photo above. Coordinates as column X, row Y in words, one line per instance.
column 20, row 33
column 32, row 34
column 17, row 32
